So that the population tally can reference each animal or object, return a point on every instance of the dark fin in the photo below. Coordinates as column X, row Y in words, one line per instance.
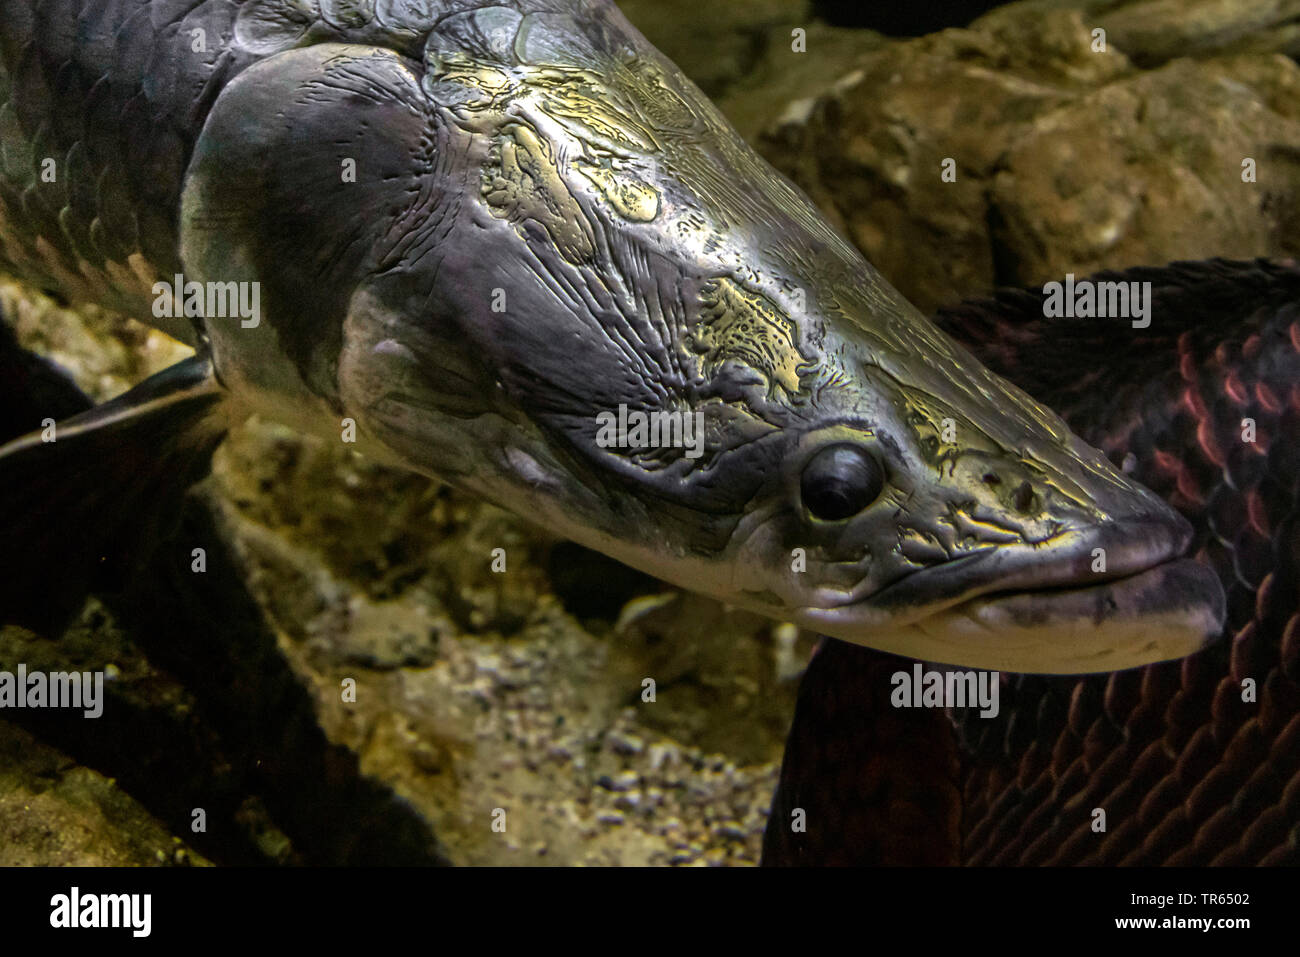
column 82, row 512
column 32, row 388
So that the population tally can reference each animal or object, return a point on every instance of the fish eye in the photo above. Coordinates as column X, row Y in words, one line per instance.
column 840, row 481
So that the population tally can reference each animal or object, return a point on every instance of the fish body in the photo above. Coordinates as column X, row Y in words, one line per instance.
column 478, row 234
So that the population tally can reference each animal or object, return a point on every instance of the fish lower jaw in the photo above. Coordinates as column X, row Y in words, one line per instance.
column 1160, row 614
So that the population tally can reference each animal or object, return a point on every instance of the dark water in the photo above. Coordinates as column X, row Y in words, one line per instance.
column 902, row 19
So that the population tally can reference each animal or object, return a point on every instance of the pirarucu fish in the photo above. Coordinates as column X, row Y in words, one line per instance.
column 519, row 251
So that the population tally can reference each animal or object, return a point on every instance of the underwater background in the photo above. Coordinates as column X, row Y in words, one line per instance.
column 477, row 690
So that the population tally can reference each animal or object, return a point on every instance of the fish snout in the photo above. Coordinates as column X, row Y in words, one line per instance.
column 1100, row 526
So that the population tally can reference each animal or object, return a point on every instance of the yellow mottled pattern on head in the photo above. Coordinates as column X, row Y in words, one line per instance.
column 739, row 324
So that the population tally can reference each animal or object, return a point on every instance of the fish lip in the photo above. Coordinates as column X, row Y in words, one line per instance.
column 1165, row 612
column 1132, row 546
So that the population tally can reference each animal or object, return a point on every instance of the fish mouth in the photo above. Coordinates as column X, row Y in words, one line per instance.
column 1000, row 610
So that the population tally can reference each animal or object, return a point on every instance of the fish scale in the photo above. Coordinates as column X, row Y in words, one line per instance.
column 116, row 92
column 102, row 90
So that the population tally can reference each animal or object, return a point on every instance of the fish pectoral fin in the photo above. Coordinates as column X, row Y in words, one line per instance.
column 32, row 389
column 85, row 501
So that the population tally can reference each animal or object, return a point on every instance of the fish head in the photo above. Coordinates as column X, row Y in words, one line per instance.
column 693, row 372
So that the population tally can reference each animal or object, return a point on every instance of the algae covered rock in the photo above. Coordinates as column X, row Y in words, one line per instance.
column 1026, row 147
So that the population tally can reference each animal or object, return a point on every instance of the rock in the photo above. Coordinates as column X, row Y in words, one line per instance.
column 743, row 52
column 1114, row 178
column 715, row 43
column 534, row 723
column 56, row 813
column 1066, row 159
column 784, row 77
column 1152, row 32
